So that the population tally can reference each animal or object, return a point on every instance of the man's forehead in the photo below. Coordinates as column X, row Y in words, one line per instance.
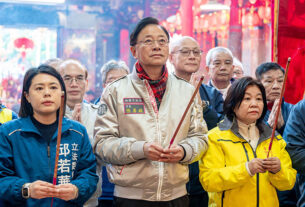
column 221, row 55
column 188, row 42
column 184, row 42
column 73, row 69
column 152, row 30
column 273, row 73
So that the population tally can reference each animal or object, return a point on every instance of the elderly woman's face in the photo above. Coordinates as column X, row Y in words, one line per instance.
column 251, row 106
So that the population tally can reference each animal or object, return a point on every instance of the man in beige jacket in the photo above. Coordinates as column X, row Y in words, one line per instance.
column 140, row 114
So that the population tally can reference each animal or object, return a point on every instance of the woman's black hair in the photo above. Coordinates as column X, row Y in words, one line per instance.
column 236, row 94
column 26, row 108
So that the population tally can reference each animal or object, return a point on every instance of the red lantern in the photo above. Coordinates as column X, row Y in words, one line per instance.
column 24, row 42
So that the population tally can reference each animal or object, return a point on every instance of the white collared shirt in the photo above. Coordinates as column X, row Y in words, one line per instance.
column 249, row 132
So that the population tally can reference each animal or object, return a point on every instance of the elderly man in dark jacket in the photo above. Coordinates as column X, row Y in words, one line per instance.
column 271, row 75
column 295, row 137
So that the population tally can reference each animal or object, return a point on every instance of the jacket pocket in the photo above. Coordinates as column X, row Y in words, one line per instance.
column 134, row 174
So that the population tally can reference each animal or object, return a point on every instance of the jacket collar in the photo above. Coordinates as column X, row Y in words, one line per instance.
column 265, row 133
column 28, row 126
column 135, row 76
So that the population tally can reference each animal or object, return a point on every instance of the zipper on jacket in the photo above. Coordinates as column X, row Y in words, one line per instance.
column 49, row 154
column 222, row 198
column 257, row 174
column 156, row 114
column 49, row 161
column 257, row 189
column 257, row 179
column 161, row 164
column 245, row 151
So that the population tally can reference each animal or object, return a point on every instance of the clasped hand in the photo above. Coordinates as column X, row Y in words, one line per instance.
column 41, row 189
column 155, row 152
column 271, row 164
column 272, row 116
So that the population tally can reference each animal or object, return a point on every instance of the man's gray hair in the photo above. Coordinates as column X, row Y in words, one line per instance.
column 113, row 65
column 216, row 50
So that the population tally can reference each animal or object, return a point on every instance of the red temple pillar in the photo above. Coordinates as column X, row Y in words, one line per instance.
column 235, row 30
column 187, row 17
column 124, row 45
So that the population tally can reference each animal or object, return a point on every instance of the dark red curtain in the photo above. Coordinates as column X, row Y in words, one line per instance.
column 291, row 43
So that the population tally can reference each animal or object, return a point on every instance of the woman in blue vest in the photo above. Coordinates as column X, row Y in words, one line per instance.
column 28, row 149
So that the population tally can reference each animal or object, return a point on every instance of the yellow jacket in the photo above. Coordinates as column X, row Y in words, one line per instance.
column 223, row 172
column 6, row 114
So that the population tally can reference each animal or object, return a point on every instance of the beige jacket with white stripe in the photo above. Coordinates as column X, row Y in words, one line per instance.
column 120, row 137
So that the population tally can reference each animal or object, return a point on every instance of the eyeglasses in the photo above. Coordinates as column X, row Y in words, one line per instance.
column 150, row 42
column 186, row 53
column 78, row 79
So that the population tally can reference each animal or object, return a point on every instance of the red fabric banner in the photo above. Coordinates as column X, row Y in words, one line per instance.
column 291, row 43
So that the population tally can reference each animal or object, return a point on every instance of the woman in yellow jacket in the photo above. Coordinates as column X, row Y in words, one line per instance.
column 235, row 170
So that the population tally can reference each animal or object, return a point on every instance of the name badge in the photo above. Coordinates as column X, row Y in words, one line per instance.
column 134, row 106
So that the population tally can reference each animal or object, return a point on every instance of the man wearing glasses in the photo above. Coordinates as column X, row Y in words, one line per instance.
column 75, row 77
column 185, row 55
column 219, row 64
column 142, row 111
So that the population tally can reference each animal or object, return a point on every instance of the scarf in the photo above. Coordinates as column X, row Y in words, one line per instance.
column 158, row 86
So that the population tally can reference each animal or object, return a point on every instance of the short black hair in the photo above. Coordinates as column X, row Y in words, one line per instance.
column 141, row 24
column 265, row 67
column 26, row 108
column 236, row 94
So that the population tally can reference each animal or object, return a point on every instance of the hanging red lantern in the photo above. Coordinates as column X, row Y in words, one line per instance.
column 24, row 42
